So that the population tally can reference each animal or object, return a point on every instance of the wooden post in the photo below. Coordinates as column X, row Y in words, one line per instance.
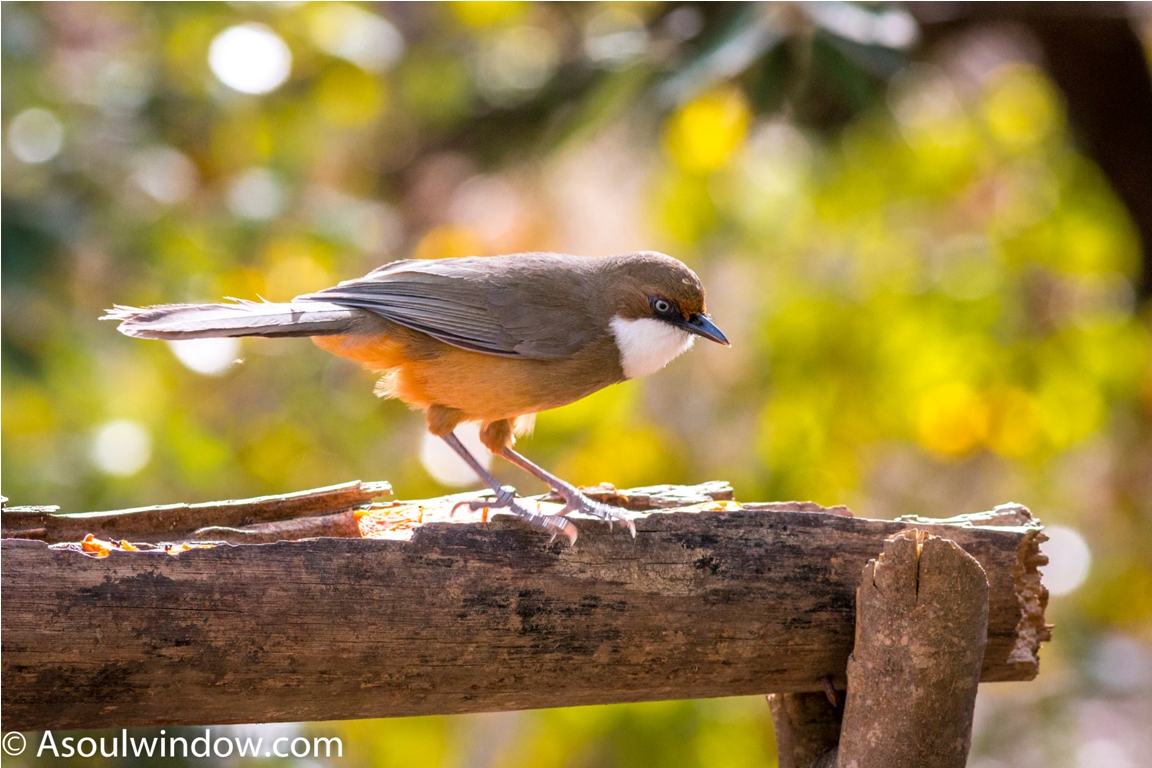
column 921, row 631
column 807, row 728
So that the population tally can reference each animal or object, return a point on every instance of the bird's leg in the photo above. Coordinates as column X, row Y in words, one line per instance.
column 506, row 496
column 574, row 499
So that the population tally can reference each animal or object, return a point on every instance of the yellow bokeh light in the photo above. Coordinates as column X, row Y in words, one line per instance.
column 187, row 250
column 794, row 441
column 1086, row 244
column 1021, row 108
column 350, row 97
column 136, row 391
column 297, row 266
column 952, row 419
column 612, row 404
column 685, row 208
column 1015, row 423
column 489, row 14
column 1121, row 595
column 243, row 138
column 623, row 457
column 446, row 242
column 277, row 453
column 706, row 132
column 1072, row 408
column 27, row 412
column 240, row 282
column 198, row 453
column 186, row 52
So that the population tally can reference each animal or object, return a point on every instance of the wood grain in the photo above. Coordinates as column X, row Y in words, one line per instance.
column 466, row 617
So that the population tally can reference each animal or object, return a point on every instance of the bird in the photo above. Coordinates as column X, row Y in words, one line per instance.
column 487, row 339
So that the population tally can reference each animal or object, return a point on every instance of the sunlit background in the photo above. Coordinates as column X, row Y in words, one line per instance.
column 917, row 231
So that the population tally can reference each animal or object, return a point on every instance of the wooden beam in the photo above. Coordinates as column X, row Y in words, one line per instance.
column 469, row 616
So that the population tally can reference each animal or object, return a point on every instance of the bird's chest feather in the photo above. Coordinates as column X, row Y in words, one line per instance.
column 490, row 388
column 647, row 345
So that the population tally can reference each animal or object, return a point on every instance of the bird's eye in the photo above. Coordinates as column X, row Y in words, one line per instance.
column 662, row 306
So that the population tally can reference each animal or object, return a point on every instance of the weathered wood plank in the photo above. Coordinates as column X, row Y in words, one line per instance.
column 175, row 521
column 465, row 618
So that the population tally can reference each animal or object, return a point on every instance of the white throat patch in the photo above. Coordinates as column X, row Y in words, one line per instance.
column 647, row 345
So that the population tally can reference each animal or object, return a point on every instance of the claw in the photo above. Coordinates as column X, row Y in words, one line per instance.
column 505, row 499
column 578, row 502
column 554, row 523
column 559, row 525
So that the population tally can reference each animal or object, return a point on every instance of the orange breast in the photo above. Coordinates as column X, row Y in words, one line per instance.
column 374, row 352
column 422, row 372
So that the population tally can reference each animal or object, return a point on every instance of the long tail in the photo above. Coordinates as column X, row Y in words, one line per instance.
column 244, row 318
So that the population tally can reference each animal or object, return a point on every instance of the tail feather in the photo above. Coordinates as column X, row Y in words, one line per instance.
column 244, row 318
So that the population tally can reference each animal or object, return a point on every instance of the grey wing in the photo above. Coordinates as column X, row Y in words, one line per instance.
column 465, row 303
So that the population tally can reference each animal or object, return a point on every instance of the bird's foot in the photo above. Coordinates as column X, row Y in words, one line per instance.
column 576, row 501
column 505, row 499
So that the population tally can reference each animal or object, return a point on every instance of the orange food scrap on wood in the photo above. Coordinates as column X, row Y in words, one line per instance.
column 175, row 549
column 101, row 548
column 713, row 506
column 95, row 546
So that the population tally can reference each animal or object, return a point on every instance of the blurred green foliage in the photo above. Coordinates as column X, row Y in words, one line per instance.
column 928, row 288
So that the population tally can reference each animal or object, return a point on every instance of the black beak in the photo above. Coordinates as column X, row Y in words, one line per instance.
column 701, row 325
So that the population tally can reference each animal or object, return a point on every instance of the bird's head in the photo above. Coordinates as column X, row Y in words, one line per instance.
column 659, row 311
